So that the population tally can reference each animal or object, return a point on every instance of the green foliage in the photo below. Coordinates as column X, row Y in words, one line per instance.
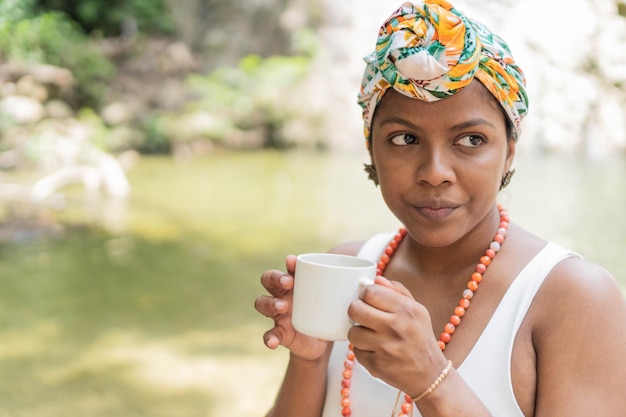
column 263, row 80
column 155, row 140
column 51, row 38
column 257, row 94
column 13, row 10
column 113, row 17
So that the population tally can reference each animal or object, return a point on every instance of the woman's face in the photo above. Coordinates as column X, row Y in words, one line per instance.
column 440, row 164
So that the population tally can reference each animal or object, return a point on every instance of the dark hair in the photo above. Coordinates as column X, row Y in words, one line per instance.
column 509, row 125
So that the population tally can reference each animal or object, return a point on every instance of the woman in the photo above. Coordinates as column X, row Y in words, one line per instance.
column 442, row 103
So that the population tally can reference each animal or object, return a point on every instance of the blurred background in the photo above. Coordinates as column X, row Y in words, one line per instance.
column 157, row 155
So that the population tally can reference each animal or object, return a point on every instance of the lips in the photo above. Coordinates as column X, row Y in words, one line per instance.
column 436, row 209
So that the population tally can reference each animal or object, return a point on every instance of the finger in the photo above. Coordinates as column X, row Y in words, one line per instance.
column 382, row 297
column 401, row 289
column 263, row 304
column 271, row 340
column 380, row 280
column 386, row 299
column 277, row 282
column 394, row 285
column 271, row 307
column 368, row 316
column 290, row 263
column 362, row 338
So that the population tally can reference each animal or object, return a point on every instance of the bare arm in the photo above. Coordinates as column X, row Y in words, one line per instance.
column 580, row 343
column 578, row 334
column 580, row 339
column 303, row 390
column 396, row 344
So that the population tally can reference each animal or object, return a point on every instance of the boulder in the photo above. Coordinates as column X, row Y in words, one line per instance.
column 29, row 87
column 58, row 109
column 22, row 110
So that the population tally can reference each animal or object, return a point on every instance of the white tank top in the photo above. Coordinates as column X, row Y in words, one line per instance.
column 487, row 367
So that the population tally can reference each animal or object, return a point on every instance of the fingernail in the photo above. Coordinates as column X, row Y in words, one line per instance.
column 272, row 342
column 284, row 280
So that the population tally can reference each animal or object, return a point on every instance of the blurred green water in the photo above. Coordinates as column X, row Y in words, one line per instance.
column 152, row 316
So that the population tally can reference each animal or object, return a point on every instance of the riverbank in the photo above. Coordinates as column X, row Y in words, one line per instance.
column 154, row 315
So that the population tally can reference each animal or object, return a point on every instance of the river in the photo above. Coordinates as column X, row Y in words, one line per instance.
column 152, row 315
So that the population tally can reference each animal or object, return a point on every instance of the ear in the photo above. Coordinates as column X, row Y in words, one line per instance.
column 508, row 164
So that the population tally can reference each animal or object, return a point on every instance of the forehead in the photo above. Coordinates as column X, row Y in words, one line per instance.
column 474, row 101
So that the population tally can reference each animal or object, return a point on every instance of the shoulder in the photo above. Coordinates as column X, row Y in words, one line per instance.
column 582, row 281
column 348, row 248
column 577, row 333
column 372, row 248
column 578, row 301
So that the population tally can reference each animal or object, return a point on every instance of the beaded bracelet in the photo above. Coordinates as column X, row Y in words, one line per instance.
column 435, row 384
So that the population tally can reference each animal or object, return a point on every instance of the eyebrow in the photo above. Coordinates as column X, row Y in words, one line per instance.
column 473, row 122
column 399, row 120
column 463, row 125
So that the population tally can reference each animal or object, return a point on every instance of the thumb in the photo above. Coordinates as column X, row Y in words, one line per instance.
column 290, row 263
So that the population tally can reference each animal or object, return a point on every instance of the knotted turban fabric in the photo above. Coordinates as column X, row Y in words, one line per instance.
column 429, row 50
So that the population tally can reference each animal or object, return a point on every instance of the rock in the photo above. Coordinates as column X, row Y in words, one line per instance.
column 128, row 159
column 59, row 81
column 113, row 176
column 171, row 95
column 27, row 86
column 181, row 55
column 10, row 159
column 58, row 109
column 12, row 71
column 246, row 139
column 22, row 110
column 7, row 89
column 197, row 125
column 298, row 132
column 184, row 152
column 117, row 113
column 124, row 137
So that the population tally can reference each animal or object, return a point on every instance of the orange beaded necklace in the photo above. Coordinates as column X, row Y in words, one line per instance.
column 455, row 319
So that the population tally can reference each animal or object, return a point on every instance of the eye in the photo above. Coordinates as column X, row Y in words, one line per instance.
column 471, row 141
column 403, row 139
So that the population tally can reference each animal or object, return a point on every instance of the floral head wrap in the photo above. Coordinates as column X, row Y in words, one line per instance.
column 429, row 50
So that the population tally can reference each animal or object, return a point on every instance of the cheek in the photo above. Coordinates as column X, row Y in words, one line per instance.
column 488, row 172
column 393, row 172
column 397, row 185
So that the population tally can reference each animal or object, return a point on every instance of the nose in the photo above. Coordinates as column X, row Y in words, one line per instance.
column 435, row 168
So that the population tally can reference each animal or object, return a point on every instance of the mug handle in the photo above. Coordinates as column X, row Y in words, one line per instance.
column 363, row 283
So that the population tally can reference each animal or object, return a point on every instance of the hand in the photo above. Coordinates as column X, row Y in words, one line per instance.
column 394, row 340
column 277, row 306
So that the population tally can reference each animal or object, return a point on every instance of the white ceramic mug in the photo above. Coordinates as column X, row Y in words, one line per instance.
column 325, row 285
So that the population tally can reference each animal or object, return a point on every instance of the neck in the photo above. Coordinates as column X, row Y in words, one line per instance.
column 450, row 260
